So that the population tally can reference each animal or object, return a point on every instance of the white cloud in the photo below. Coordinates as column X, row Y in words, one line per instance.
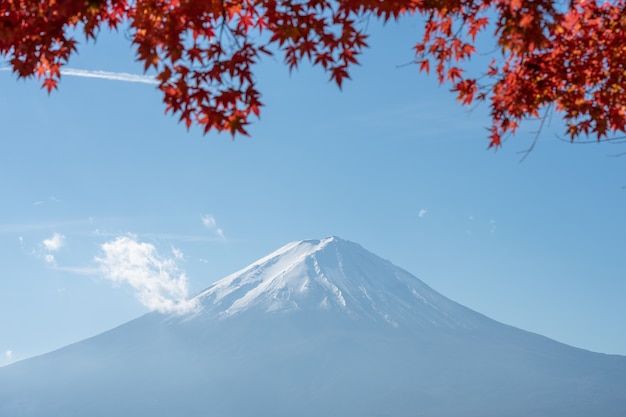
column 8, row 354
column 54, row 243
column 178, row 254
column 50, row 199
column 158, row 282
column 78, row 270
column 209, row 222
column 422, row 213
column 492, row 225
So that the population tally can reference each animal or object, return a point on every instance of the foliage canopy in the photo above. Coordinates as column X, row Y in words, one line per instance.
column 570, row 57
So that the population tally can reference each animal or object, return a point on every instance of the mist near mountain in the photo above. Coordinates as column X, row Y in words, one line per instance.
column 317, row 328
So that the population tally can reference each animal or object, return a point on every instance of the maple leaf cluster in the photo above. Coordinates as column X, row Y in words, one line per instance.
column 569, row 57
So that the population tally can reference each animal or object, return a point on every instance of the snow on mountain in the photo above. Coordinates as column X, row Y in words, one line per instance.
column 332, row 275
column 319, row 327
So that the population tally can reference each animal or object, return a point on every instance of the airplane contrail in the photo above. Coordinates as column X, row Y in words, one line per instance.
column 105, row 75
column 114, row 76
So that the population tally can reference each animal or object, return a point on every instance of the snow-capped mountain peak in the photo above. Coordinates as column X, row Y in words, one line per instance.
column 330, row 275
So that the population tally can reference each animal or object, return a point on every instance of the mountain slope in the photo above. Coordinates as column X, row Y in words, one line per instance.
column 319, row 327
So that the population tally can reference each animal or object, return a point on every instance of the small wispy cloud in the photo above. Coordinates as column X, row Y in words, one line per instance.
column 157, row 280
column 8, row 355
column 51, row 199
column 422, row 213
column 78, row 270
column 47, row 250
column 54, row 243
column 105, row 75
column 178, row 254
column 209, row 222
column 492, row 225
column 19, row 228
column 50, row 245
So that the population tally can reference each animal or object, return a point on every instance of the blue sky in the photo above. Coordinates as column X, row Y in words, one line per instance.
column 95, row 180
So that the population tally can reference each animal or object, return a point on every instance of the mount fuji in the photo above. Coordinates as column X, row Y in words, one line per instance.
column 317, row 328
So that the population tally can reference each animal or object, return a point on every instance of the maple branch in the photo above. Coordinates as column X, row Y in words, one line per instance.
column 618, row 155
column 616, row 140
column 537, row 133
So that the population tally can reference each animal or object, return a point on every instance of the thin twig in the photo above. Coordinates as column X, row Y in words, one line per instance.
column 532, row 146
